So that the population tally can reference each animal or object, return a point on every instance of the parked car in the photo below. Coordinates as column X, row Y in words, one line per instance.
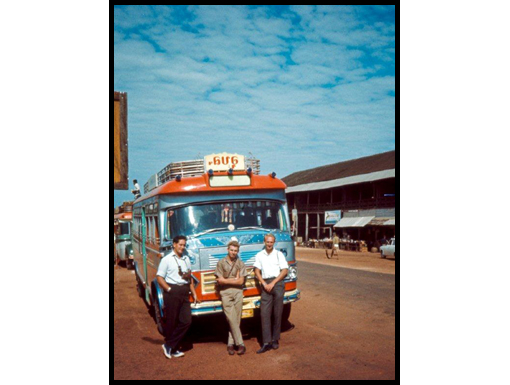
column 389, row 250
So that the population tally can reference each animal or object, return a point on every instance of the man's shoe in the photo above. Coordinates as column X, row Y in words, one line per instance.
column 242, row 350
column 231, row 351
column 276, row 345
column 167, row 351
column 265, row 349
column 177, row 354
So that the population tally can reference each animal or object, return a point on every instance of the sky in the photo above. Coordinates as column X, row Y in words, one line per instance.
column 296, row 86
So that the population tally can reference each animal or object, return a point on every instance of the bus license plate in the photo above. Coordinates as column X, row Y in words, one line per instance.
column 248, row 313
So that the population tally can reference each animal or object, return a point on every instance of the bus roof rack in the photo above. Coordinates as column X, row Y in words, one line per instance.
column 188, row 169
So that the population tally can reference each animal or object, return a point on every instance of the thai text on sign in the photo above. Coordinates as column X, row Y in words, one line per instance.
column 225, row 162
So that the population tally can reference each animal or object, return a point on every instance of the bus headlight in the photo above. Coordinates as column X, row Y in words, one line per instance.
column 293, row 273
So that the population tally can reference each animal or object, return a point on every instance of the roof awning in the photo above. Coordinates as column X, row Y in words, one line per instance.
column 382, row 222
column 354, row 222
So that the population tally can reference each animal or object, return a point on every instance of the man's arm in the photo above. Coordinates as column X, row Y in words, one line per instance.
column 194, row 292
column 238, row 281
column 162, row 283
column 258, row 274
column 280, row 278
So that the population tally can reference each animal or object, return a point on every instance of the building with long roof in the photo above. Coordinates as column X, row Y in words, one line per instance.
column 354, row 199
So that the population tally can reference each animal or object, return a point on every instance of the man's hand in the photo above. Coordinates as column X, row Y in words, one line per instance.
column 269, row 288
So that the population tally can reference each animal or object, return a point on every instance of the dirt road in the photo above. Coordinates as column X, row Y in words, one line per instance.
column 344, row 329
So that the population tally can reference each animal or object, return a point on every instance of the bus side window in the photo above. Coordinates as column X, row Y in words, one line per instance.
column 147, row 229
column 156, row 231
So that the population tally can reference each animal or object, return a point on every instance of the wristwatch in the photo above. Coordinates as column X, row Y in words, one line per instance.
column 169, row 290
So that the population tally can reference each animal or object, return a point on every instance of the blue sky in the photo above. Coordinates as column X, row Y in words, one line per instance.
column 297, row 86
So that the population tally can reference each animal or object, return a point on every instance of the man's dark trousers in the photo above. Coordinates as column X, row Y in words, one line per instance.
column 272, row 307
column 178, row 315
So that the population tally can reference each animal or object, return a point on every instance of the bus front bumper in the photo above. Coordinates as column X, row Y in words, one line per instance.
column 249, row 304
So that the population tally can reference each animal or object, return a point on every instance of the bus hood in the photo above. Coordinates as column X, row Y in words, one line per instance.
column 206, row 251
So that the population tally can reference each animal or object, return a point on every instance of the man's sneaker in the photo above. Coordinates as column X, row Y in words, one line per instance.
column 230, row 349
column 167, row 352
column 177, row 354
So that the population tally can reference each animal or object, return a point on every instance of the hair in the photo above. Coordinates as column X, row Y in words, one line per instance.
column 135, row 181
column 235, row 244
column 270, row 236
column 179, row 238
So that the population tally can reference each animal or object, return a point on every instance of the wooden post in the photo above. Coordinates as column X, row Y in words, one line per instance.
column 318, row 226
column 120, row 142
column 307, row 224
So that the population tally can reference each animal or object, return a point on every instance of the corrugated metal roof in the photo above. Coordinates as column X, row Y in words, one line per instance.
column 354, row 222
column 372, row 177
column 362, row 166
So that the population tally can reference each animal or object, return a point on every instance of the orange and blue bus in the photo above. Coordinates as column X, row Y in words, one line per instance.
column 211, row 209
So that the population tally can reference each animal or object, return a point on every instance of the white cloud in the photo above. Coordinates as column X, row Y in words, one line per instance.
column 228, row 87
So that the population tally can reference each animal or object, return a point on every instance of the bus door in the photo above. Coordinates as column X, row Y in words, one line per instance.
column 144, row 254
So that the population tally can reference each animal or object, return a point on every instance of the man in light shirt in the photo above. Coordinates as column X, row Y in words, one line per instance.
column 271, row 268
column 174, row 278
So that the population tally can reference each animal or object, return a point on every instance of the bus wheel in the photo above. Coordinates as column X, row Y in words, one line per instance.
column 286, row 324
column 139, row 288
column 157, row 317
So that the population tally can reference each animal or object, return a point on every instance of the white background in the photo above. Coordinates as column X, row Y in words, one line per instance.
column 455, row 148
column 55, row 156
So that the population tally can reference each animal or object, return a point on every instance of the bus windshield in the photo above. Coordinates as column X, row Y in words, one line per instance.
column 244, row 215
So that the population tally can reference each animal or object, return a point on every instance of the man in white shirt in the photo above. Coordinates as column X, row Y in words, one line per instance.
column 271, row 268
column 174, row 278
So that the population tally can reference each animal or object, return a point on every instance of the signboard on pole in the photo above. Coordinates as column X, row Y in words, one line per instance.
column 333, row 217
column 120, row 142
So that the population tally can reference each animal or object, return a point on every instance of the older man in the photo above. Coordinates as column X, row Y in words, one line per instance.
column 271, row 268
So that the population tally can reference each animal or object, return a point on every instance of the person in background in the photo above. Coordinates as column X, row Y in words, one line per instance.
column 136, row 191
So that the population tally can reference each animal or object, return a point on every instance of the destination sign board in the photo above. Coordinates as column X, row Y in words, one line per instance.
column 225, row 162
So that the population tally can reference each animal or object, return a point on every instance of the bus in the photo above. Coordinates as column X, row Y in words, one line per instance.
column 211, row 202
column 122, row 220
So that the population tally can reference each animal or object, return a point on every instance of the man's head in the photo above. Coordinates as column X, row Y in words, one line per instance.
column 135, row 181
column 269, row 241
column 233, row 249
column 179, row 245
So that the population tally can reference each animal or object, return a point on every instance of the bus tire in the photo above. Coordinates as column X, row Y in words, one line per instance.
column 157, row 317
column 139, row 288
column 286, row 324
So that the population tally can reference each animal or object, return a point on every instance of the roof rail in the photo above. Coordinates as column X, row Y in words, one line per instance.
column 187, row 169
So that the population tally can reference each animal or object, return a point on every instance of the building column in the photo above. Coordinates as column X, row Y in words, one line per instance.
column 307, row 223
column 318, row 226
